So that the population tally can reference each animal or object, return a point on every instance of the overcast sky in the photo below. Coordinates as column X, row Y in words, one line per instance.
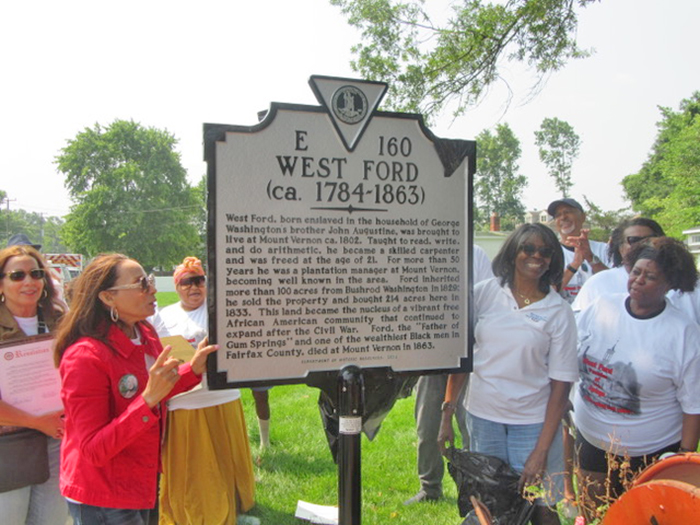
column 175, row 65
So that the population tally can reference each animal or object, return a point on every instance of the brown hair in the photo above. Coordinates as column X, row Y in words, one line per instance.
column 88, row 316
column 48, row 302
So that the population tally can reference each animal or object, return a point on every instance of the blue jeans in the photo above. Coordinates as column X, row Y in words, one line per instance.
column 37, row 504
column 89, row 515
column 513, row 444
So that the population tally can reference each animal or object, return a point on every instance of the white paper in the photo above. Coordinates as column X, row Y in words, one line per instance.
column 321, row 514
column 28, row 378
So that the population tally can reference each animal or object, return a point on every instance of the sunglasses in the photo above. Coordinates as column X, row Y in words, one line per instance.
column 531, row 249
column 144, row 283
column 197, row 280
column 21, row 275
column 634, row 239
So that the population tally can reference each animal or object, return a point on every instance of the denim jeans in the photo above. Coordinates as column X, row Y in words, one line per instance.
column 90, row 515
column 513, row 444
column 37, row 504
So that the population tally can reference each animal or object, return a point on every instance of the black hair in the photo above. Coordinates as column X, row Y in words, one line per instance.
column 504, row 263
column 617, row 238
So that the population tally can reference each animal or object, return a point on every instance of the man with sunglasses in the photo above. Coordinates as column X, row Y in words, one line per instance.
column 582, row 257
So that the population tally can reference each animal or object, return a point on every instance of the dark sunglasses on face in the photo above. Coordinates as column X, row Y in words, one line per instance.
column 634, row 239
column 145, row 283
column 197, row 280
column 21, row 275
column 530, row 249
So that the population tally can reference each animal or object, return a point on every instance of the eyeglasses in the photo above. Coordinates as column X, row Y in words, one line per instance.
column 197, row 280
column 21, row 275
column 634, row 239
column 531, row 249
column 145, row 283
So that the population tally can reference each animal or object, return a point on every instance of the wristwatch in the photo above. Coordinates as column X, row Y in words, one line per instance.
column 447, row 405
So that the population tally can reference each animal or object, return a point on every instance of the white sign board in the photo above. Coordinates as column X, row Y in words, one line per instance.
column 338, row 235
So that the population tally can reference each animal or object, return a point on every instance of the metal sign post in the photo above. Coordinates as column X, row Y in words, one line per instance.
column 350, row 402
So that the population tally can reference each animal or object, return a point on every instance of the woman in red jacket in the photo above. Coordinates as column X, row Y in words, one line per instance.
column 115, row 380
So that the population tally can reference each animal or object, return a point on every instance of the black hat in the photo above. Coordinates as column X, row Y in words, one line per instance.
column 20, row 239
column 552, row 208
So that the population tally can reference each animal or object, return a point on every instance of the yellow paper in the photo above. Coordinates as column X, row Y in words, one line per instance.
column 181, row 349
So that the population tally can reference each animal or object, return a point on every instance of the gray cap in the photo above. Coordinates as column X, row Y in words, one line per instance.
column 20, row 239
column 552, row 208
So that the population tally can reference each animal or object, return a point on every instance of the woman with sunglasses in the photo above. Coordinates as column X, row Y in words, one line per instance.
column 223, row 482
column 29, row 306
column 639, row 361
column 524, row 365
column 116, row 377
column 623, row 238
column 628, row 233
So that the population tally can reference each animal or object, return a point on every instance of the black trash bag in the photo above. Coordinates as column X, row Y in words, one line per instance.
column 493, row 482
column 382, row 387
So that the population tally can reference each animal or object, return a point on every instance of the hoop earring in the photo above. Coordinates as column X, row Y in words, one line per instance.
column 45, row 294
column 113, row 314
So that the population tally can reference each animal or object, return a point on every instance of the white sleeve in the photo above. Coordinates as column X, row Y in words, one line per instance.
column 563, row 362
column 482, row 264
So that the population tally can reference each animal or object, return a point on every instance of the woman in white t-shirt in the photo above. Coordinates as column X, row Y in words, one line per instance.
column 639, row 364
column 207, row 464
column 524, row 364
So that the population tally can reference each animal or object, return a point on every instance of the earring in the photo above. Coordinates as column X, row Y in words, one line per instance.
column 113, row 314
column 45, row 294
column 2, row 297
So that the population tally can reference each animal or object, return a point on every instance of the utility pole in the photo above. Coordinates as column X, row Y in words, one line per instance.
column 7, row 201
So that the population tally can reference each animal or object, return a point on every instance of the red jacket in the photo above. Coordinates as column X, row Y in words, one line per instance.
column 110, row 455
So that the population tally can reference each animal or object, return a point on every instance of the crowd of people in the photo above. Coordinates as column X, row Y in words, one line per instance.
column 612, row 353
column 131, row 411
column 586, row 355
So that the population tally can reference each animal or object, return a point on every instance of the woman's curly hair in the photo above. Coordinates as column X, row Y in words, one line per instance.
column 672, row 257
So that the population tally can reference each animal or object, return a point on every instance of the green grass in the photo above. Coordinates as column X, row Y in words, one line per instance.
column 299, row 465
column 166, row 298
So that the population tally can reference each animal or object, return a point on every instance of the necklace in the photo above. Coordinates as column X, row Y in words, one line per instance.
column 525, row 298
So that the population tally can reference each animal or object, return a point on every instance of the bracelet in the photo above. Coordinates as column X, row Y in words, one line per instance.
column 683, row 449
column 447, row 405
column 571, row 268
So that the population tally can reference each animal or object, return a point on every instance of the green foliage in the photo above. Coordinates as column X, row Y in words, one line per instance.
column 667, row 187
column 427, row 66
column 200, row 217
column 498, row 186
column 40, row 230
column 558, row 146
column 602, row 222
column 130, row 194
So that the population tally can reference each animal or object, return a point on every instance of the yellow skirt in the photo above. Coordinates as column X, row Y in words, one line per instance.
column 207, row 467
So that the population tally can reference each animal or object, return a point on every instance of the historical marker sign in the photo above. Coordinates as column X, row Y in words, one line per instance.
column 339, row 235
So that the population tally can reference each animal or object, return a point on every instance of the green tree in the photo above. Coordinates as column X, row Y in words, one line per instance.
column 602, row 222
column 40, row 230
column 667, row 187
column 427, row 66
column 558, row 146
column 498, row 186
column 200, row 196
column 130, row 194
